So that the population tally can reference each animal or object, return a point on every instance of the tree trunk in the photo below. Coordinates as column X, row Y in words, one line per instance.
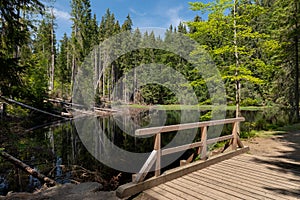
column 103, row 83
column 108, row 83
column 68, row 91
column 27, row 168
column 296, row 40
column 297, row 79
column 17, row 47
column 125, row 89
column 74, row 62
column 238, row 83
column 3, row 114
column 134, row 86
column 51, row 85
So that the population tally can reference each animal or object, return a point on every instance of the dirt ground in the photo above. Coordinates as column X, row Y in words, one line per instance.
column 284, row 146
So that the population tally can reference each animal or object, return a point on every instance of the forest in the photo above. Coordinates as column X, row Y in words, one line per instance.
column 255, row 45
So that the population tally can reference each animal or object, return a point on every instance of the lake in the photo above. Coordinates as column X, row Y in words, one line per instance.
column 60, row 152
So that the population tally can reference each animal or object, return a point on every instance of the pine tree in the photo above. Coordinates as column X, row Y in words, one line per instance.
column 285, row 18
column 14, row 33
column 127, row 25
column 64, row 71
column 40, row 75
column 193, row 29
column 182, row 28
column 53, row 52
column 82, row 39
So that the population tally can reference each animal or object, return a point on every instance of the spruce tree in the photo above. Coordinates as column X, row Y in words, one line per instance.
column 82, row 39
column 14, row 33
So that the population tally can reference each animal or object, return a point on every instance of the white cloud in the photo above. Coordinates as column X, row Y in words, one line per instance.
column 173, row 15
column 136, row 12
column 62, row 15
column 162, row 16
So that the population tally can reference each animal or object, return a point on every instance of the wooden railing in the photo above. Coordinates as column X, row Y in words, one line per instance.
column 157, row 153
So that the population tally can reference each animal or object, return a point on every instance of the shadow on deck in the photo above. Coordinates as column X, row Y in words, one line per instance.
column 286, row 162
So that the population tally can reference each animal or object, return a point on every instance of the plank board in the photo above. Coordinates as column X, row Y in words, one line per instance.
column 164, row 129
column 130, row 189
column 237, row 178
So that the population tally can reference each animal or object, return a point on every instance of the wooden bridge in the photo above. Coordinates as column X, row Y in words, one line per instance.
column 230, row 175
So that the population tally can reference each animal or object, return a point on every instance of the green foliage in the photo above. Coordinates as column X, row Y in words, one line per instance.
column 206, row 117
column 127, row 25
column 284, row 21
column 266, row 41
column 14, row 34
column 247, row 135
column 36, row 86
column 250, row 102
column 17, row 111
column 257, row 49
column 64, row 70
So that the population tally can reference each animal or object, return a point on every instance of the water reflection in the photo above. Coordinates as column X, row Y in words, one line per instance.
column 57, row 151
column 112, row 140
column 34, row 183
column 3, row 185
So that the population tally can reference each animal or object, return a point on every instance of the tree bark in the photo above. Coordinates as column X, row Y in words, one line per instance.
column 296, row 40
column 51, row 85
column 238, row 83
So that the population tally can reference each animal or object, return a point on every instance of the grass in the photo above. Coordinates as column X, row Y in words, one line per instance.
column 196, row 107
column 267, row 134
column 290, row 128
column 279, row 131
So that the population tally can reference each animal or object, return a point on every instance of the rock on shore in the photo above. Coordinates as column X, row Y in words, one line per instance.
column 86, row 191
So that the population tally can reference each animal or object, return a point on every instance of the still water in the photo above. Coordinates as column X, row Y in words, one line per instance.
column 58, row 151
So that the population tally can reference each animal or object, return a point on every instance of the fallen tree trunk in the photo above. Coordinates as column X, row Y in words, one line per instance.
column 28, row 169
column 30, row 107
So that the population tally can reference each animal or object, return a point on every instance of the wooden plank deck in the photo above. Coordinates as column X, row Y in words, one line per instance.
column 241, row 177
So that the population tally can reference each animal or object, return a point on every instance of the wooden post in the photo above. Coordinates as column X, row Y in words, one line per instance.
column 189, row 160
column 146, row 167
column 204, row 141
column 157, row 153
column 239, row 142
column 134, row 176
column 157, row 147
column 235, row 136
column 182, row 163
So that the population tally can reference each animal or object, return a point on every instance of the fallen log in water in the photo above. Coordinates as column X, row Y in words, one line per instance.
column 30, row 107
column 28, row 169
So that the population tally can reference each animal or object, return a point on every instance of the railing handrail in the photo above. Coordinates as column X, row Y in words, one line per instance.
column 158, row 152
column 177, row 127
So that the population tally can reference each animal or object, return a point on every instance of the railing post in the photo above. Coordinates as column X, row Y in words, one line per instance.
column 146, row 167
column 157, row 147
column 155, row 156
column 204, row 142
column 235, row 136
column 238, row 132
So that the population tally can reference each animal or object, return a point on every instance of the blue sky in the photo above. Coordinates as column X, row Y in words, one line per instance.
column 144, row 13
